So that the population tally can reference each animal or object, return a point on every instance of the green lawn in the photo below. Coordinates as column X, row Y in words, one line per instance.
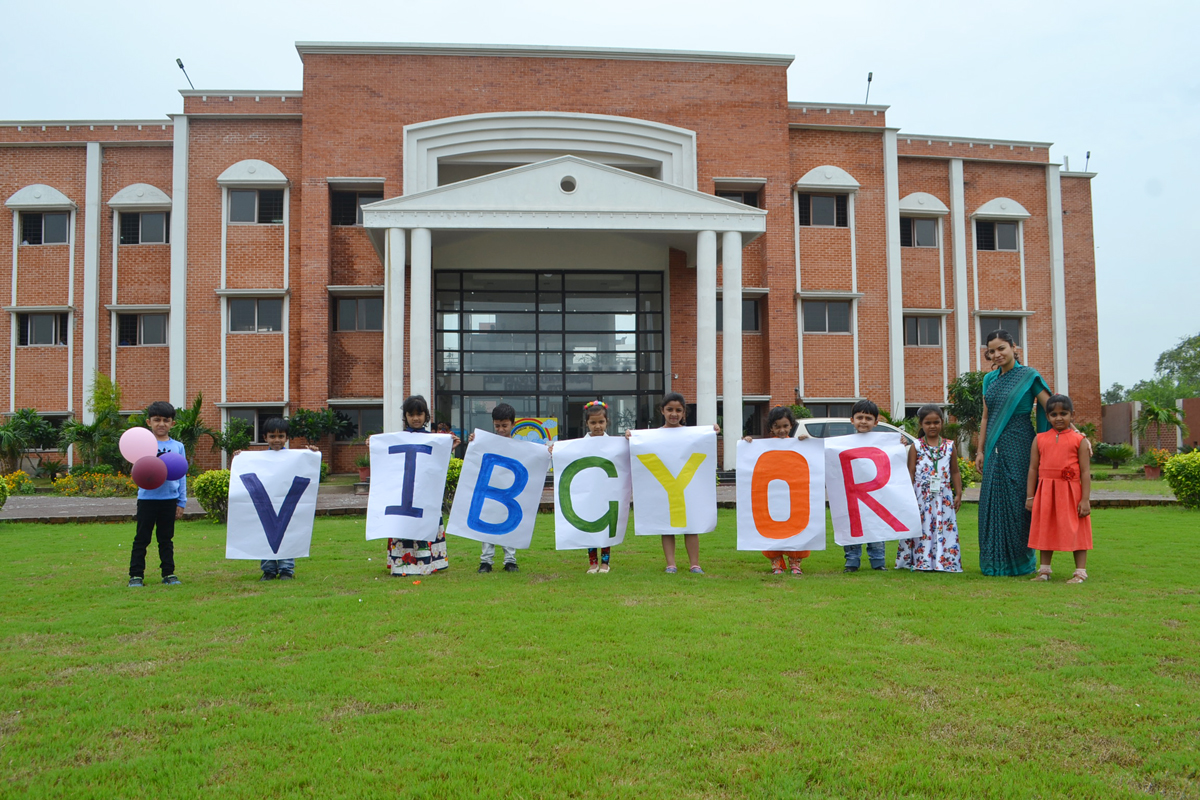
column 552, row 683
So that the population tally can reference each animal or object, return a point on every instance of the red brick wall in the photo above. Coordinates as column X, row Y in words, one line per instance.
column 1079, row 265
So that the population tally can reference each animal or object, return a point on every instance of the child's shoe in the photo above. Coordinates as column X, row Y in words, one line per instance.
column 511, row 566
column 696, row 570
column 287, row 576
column 484, row 567
column 268, row 576
column 850, row 569
column 880, row 568
column 593, row 568
column 1079, row 577
column 171, row 580
column 1043, row 574
column 604, row 567
column 777, row 567
column 795, row 565
column 136, row 582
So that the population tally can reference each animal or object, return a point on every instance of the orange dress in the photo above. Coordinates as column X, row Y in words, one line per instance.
column 1056, row 521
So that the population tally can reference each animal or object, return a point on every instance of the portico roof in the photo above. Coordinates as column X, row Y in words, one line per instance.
column 564, row 193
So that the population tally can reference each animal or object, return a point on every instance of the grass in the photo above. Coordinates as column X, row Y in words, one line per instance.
column 553, row 683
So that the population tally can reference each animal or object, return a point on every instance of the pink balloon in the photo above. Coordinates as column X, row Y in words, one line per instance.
column 149, row 472
column 137, row 443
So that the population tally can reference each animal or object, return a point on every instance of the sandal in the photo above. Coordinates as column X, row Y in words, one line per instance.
column 1043, row 574
column 696, row 570
column 671, row 570
column 796, row 570
column 777, row 570
column 1079, row 577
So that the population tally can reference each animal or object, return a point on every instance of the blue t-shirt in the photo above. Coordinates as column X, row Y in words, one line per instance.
column 170, row 490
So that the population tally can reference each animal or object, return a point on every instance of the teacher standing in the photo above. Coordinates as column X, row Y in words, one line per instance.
column 1009, row 395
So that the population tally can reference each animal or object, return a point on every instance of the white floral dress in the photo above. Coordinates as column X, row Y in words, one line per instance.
column 937, row 547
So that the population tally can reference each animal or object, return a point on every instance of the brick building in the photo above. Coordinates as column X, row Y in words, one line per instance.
column 538, row 225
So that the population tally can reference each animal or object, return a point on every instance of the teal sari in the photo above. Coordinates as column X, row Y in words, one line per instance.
column 1003, row 520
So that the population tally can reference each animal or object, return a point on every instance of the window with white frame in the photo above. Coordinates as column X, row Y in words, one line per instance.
column 750, row 315
column 359, row 423
column 37, row 330
column 45, row 227
column 1010, row 324
column 826, row 316
column 990, row 235
column 256, row 418
column 145, row 227
column 745, row 197
column 256, row 206
column 828, row 410
column 345, row 208
column 918, row 232
column 141, row 329
column 823, row 210
column 255, row 314
column 922, row 331
column 358, row 314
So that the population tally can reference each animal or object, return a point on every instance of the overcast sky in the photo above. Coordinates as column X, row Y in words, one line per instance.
column 1112, row 78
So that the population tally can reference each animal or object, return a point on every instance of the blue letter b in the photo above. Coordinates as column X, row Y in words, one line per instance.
column 506, row 497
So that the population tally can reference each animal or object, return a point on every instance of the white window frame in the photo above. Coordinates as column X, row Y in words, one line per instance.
column 257, row 204
column 919, row 343
column 804, row 329
column 140, row 335
column 257, row 300
column 337, row 313
column 43, row 214
column 141, row 240
column 59, row 333
column 913, row 220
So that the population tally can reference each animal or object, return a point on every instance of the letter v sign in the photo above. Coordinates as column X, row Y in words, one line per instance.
column 274, row 525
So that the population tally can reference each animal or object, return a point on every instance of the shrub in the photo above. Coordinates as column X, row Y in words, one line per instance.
column 1183, row 476
column 363, row 460
column 451, row 484
column 19, row 482
column 324, row 471
column 1156, row 457
column 970, row 473
column 95, row 484
column 94, row 469
column 51, row 468
column 3, row 494
column 801, row 412
column 211, row 489
column 1115, row 454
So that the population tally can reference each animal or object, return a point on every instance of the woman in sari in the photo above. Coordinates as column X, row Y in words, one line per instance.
column 1010, row 392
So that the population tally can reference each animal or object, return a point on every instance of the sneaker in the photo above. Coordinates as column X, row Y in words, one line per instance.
column 483, row 567
column 287, row 576
column 268, row 576
column 850, row 569
column 604, row 567
column 511, row 566
column 136, row 582
column 880, row 568
column 171, row 580
column 593, row 568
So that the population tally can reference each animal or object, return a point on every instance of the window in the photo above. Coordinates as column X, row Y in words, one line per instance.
column 750, row 318
column 995, row 235
column 41, row 329
column 256, row 418
column 821, row 316
column 360, row 422
column 1010, row 324
column 918, row 232
column 824, row 210
column 359, row 314
column 922, row 331
column 146, row 227
column 136, row 329
column 261, row 206
column 44, row 228
column 250, row 315
column 346, row 207
column 746, row 198
column 835, row 410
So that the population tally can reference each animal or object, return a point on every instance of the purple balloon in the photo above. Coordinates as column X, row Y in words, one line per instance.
column 149, row 472
column 177, row 465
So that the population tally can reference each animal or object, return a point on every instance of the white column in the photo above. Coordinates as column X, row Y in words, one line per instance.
column 393, row 330
column 895, row 276
column 706, row 328
column 731, row 343
column 420, row 323
column 1058, row 278
column 88, row 315
column 958, row 236
column 177, row 340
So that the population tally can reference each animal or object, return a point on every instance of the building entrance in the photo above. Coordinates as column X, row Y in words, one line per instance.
column 547, row 343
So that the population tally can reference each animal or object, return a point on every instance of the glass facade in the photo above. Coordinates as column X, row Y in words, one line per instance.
column 547, row 343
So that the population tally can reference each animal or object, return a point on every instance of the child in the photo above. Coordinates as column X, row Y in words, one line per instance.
column 157, row 509
column 781, row 424
column 504, row 417
column 276, row 432
column 865, row 416
column 933, row 469
column 1059, row 490
column 409, row 556
column 595, row 417
column 674, row 411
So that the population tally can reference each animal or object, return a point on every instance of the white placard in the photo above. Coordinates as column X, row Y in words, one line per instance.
column 499, row 490
column 781, row 494
column 870, row 494
column 592, row 490
column 674, row 474
column 272, row 503
column 408, row 479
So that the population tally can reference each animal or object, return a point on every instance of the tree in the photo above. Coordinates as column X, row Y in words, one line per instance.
column 237, row 436
column 1182, row 362
column 1114, row 394
column 12, row 444
column 966, row 404
column 88, row 438
column 1159, row 417
column 189, row 428
column 35, row 429
column 1161, row 390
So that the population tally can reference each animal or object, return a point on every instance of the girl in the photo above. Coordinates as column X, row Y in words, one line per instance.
column 674, row 411
column 1059, row 490
column 595, row 417
column 933, row 469
column 407, row 556
column 781, row 424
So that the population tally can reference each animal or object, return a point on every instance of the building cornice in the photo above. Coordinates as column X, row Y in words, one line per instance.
column 839, row 106
column 231, row 93
column 1012, row 144
column 81, row 123
column 539, row 51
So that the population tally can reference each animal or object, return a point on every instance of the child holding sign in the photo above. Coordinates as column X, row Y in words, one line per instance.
column 504, row 417
column 1059, row 491
column 781, row 423
column 595, row 417
column 865, row 416
column 933, row 469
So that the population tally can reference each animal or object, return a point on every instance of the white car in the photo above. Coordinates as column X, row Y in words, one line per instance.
column 827, row 427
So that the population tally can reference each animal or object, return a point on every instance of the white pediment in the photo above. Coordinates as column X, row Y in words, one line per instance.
column 1002, row 208
column 141, row 196
column 565, row 193
column 923, row 204
column 827, row 178
column 39, row 197
column 252, row 173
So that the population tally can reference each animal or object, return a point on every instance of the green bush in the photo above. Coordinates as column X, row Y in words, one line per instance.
column 1115, row 454
column 19, row 482
column 95, row 484
column 94, row 469
column 211, row 489
column 324, row 471
column 801, row 412
column 970, row 473
column 1182, row 473
column 3, row 494
column 451, row 484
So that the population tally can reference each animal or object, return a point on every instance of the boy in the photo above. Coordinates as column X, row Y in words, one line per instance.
column 159, row 508
column 504, row 417
column 276, row 433
column 865, row 416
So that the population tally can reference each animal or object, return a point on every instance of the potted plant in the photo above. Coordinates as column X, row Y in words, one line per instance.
column 1156, row 459
column 363, row 462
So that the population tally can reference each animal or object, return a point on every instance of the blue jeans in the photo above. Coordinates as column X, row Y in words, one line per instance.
column 284, row 566
column 874, row 552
